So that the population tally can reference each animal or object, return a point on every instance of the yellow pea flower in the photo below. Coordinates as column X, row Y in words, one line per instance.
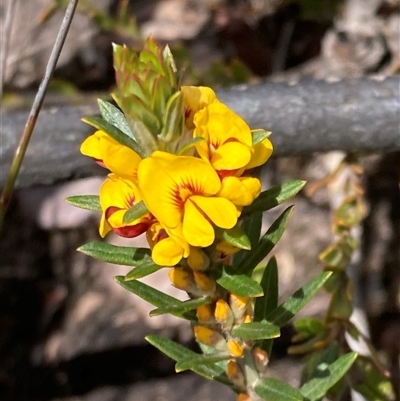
column 165, row 251
column 109, row 153
column 195, row 98
column 228, row 139
column 241, row 191
column 260, row 153
column 117, row 195
column 180, row 191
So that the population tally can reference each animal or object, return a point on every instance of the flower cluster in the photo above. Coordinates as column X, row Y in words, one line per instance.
column 189, row 198
column 181, row 164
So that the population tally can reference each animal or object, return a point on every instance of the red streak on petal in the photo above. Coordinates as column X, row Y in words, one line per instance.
column 187, row 112
column 100, row 163
column 232, row 140
column 132, row 231
column 110, row 211
column 226, row 173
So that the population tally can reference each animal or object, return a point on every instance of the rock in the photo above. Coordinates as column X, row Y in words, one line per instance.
column 47, row 206
column 182, row 387
column 31, row 40
column 176, row 20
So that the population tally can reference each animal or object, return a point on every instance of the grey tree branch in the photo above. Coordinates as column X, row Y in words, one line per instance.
column 311, row 116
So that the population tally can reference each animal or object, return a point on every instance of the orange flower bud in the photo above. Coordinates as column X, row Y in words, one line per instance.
column 236, row 348
column 223, row 314
column 204, row 314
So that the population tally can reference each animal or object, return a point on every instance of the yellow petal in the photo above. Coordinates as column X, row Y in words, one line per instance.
column 91, row 146
column 177, row 235
column 118, row 158
column 240, row 191
column 118, row 192
column 195, row 98
column 121, row 160
column 231, row 156
column 197, row 230
column 217, row 123
column 261, row 153
column 104, row 227
column 167, row 252
column 220, row 211
column 167, row 180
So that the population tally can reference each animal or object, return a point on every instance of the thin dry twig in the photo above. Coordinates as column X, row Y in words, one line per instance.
column 34, row 113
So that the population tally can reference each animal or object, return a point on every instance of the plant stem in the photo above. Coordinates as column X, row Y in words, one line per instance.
column 34, row 113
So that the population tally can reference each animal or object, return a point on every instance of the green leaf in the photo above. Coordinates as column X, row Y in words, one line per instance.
column 119, row 255
column 142, row 269
column 256, row 331
column 283, row 313
column 201, row 359
column 309, row 325
column 259, row 135
column 277, row 390
column 173, row 118
column 269, row 283
column 143, row 136
column 89, row 202
column 170, row 65
column 236, row 237
column 266, row 243
column 160, row 93
column 182, row 307
column 269, row 301
column 178, row 352
column 137, row 109
column 114, row 116
column 189, row 144
column 274, row 197
column 251, row 225
column 114, row 132
column 327, row 375
column 374, row 386
column 149, row 294
column 135, row 212
column 239, row 284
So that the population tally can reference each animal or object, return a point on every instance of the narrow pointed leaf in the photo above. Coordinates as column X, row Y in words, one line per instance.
column 149, row 294
column 256, row 331
column 178, row 352
column 326, row 376
column 239, row 284
column 375, row 386
column 144, row 137
column 269, row 301
column 237, row 237
column 277, row 390
column 114, row 132
column 135, row 212
column 266, row 243
column 119, row 255
column 274, row 197
column 182, row 307
column 142, row 269
column 259, row 135
column 173, row 118
column 88, row 202
column 136, row 108
column 283, row 313
column 251, row 225
column 200, row 359
column 114, row 116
